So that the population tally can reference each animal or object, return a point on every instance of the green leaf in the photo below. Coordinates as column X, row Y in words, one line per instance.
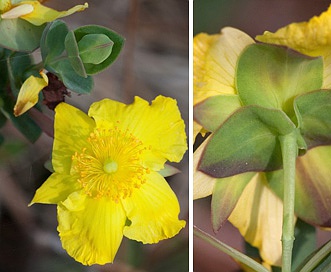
column 116, row 48
column 19, row 35
column 247, row 141
column 71, row 79
column 18, row 65
column 320, row 260
column 52, row 41
column 213, row 111
column 95, row 48
column 313, row 112
column 23, row 123
column 73, row 54
column 272, row 76
column 304, row 243
column 225, row 196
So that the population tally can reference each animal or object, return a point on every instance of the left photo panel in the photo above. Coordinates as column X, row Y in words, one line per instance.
column 94, row 125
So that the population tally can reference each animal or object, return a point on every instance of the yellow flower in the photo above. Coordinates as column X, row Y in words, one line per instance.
column 29, row 93
column 106, row 182
column 34, row 12
column 249, row 202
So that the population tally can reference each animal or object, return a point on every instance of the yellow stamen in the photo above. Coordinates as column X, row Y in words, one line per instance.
column 111, row 165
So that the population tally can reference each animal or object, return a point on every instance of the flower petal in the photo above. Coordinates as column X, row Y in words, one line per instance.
column 72, row 128
column 159, row 126
column 258, row 216
column 91, row 230
column 42, row 14
column 203, row 185
column 215, row 58
column 29, row 93
column 311, row 38
column 17, row 12
column 55, row 189
column 153, row 211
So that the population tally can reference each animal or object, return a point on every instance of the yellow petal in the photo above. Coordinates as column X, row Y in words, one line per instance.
column 72, row 128
column 42, row 14
column 312, row 38
column 258, row 216
column 203, row 184
column 91, row 230
column 327, row 71
column 215, row 58
column 29, row 93
column 153, row 210
column 159, row 126
column 55, row 189
column 17, row 12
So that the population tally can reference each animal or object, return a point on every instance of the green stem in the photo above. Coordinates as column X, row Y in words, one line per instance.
column 242, row 258
column 289, row 153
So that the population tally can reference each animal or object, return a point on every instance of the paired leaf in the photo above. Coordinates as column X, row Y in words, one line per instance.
column 102, row 52
column 73, row 81
column 247, row 141
column 213, row 111
column 52, row 41
column 313, row 112
column 272, row 76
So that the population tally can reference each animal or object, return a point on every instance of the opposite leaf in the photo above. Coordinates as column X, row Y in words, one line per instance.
column 247, row 141
column 52, row 41
column 272, row 76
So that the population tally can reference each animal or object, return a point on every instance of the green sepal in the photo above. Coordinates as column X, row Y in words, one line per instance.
column 52, row 41
column 73, row 81
column 168, row 171
column 312, row 187
column 272, row 76
column 313, row 111
column 213, row 111
column 20, row 35
column 225, row 196
column 247, row 141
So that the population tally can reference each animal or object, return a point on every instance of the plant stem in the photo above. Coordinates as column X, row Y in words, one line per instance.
column 242, row 258
column 289, row 153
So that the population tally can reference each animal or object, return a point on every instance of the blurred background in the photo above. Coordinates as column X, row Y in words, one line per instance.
column 252, row 17
column 154, row 61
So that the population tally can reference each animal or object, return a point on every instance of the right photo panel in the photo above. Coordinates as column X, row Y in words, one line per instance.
column 262, row 135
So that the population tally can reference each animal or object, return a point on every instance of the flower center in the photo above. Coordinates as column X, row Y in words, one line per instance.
column 110, row 167
column 111, row 164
